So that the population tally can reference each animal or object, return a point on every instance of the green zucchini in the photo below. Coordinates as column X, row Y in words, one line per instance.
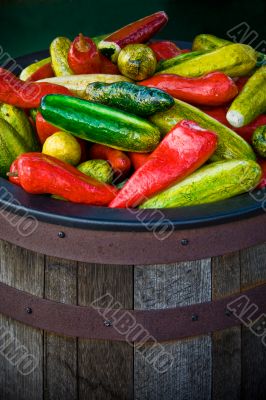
column 251, row 102
column 100, row 124
column 59, row 49
column 20, row 122
column 234, row 60
column 126, row 96
column 12, row 145
column 30, row 69
column 259, row 141
column 97, row 169
column 230, row 144
column 171, row 62
column 78, row 83
column 213, row 182
column 206, row 42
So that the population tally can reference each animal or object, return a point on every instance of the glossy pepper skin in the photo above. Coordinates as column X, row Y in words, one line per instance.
column 44, row 129
column 83, row 56
column 184, row 149
column 25, row 94
column 138, row 159
column 40, row 174
column 46, row 71
column 118, row 160
column 165, row 49
column 137, row 32
column 246, row 132
column 213, row 89
column 13, row 169
column 108, row 67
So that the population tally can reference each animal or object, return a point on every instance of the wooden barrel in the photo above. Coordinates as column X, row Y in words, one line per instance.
column 228, row 363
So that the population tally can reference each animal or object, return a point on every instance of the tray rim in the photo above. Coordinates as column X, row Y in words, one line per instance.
column 101, row 218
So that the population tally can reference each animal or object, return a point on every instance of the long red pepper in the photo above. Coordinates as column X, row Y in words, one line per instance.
column 213, row 89
column 25, row 94
column 83, row 56
column 39, row 173
column 118, row 160
column 44, row 129
column 165, row 49
column 108, row 67
column 46, row 71
column 137, row 32
column 184, row 149
column 138, row 159
column 246, row 132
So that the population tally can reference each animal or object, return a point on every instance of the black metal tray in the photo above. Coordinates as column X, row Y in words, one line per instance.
column 53, row 211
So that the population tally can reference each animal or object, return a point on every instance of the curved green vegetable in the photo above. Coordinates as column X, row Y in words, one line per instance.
column 11, row 146
column 171, row 62
column 230, row 144
column 20, row 122
column 100, row 124
column 259, row 141
column 251, row 102
column 59, row 49
column 129, row 97
column 30, row 69
column 213, row 182
column 97, row 169
column 206, row 42
column 78, row 83
column 234, row 60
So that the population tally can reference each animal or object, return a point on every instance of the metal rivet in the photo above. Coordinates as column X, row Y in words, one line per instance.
column 107, row 323
column 184, row 242
column 61, row 234
column 195, row 317
column 28, row 310
column 228, row 313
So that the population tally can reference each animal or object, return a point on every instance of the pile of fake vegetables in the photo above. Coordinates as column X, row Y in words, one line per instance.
column 123, row 121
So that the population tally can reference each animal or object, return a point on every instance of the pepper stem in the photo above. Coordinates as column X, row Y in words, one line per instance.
column 82, row 45
column 12, row 174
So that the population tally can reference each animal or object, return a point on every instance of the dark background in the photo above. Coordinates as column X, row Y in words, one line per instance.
column 30, row 25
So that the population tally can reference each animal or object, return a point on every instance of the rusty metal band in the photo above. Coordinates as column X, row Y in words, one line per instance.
column 131, row 325
column 127, row 248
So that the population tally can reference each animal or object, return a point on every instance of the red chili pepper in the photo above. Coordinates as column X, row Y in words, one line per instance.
column 118, row 160
column 25, row 94
column 184, row 149
column 138, row 159
column 137, row 32
column 44, row 129
column 245, row 132
column 262, row 183
column 165, row 49
column 13, row 169
column 213, row 89
column 83, row 56
column 46, row 71
column 39, row 174
column 108, row 67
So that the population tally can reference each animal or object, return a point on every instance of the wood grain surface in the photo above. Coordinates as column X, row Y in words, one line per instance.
column 230, row 364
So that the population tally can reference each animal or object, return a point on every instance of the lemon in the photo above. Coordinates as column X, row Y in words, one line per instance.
column 64, row 146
